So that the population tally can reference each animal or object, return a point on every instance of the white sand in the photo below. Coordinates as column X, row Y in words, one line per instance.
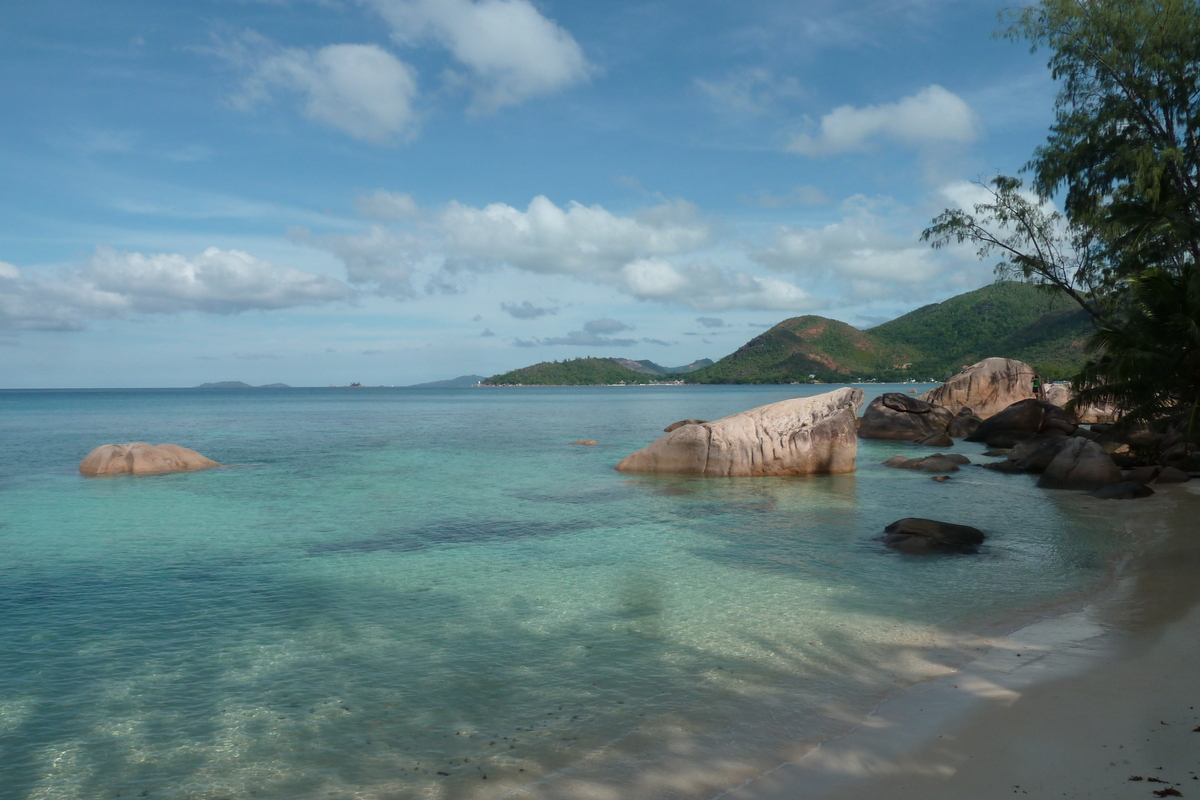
column 1067, row 707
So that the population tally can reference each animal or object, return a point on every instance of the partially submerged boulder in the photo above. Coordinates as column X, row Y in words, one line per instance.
column 1172, row 475
column 934, row 463
column 1022, row 420
column 1036, row 454
column 936, row 440
column 1124, row 490
column 1080, row 464
column 140, row 458
column 893, row 415
column 921, row 536
column 792, row 437
column 987, row 388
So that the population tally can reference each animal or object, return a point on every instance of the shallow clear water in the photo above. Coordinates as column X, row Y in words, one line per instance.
column 389, row 585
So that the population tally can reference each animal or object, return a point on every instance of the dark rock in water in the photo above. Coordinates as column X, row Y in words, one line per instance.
column 1008, row 467
column 937, row 440
column 1172, row 475
column 1125, row 490
column 1035, row 455
column 941, row 478
column 1080, row 464
column 1143, row 475
column 922, row 536
column 934, row 463
column 999, row 451
column 897, row 416
column 676, row 425
column 1100, row 427
column 900, row 462
column 937, row 463
column 1021, row 420
column 964, row 424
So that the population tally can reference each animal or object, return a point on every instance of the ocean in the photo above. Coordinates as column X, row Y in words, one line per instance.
column 404, row 593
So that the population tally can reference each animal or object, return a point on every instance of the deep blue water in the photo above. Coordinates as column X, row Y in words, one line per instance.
column 385, row 585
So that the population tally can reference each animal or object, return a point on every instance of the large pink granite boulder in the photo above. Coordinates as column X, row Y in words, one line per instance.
column 986, row 388
column 793, row 437
column 140, row 458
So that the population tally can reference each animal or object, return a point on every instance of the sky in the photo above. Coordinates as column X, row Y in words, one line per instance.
column 319, row 192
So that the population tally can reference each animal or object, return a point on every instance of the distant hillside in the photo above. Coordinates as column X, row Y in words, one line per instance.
column 576, row 372
column 803, row 349
column 1008, row 319
column 460, row 382
column 650, row 368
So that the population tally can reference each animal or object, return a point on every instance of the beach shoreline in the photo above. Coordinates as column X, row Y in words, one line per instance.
column 1077, row 704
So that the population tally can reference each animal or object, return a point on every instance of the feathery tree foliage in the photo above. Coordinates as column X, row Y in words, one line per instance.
column 1124, row 152
column 1149, row 363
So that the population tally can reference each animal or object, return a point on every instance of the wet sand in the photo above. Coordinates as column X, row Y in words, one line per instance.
column 1080, row 705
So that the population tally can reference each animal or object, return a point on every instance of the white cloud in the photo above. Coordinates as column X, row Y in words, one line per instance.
column 512, row 52
column 379, row 256
column 115, row 284
column 705, row 287
column 932, row 116
column 586, row 241
column 874, row 251
column 360, row 89
column 387, row 206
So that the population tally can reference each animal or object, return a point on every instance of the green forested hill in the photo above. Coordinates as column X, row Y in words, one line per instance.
column 576, row 372
column 801, row 347
column 1008, row 319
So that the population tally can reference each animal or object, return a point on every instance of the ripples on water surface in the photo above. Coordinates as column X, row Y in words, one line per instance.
column 389, row 585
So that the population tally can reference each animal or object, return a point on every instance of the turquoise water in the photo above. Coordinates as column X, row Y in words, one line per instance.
column 395, row 593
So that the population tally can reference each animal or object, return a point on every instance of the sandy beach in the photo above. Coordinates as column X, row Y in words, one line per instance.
column 1102, row 702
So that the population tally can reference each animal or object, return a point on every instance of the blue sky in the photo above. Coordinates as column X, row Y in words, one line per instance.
column 395, row 191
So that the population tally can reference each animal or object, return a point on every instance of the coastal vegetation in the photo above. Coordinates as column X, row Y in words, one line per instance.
column 1123, row 155
column 588, row 371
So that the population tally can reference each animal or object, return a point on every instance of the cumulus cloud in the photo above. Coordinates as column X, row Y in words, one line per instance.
column 606, row 326
column 573, row 240
column 380, row 256
column 510, row 51
column 874, row 250
column 116, row 284
column 932, row 116
column 361, row 89
column 633, row 253
column 487, row 332
column 526, row 310
column 705, row 287
column 711, row 322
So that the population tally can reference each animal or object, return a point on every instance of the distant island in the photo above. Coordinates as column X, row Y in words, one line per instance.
column 587, row 371
column 240, row 385
column 1007, row 319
